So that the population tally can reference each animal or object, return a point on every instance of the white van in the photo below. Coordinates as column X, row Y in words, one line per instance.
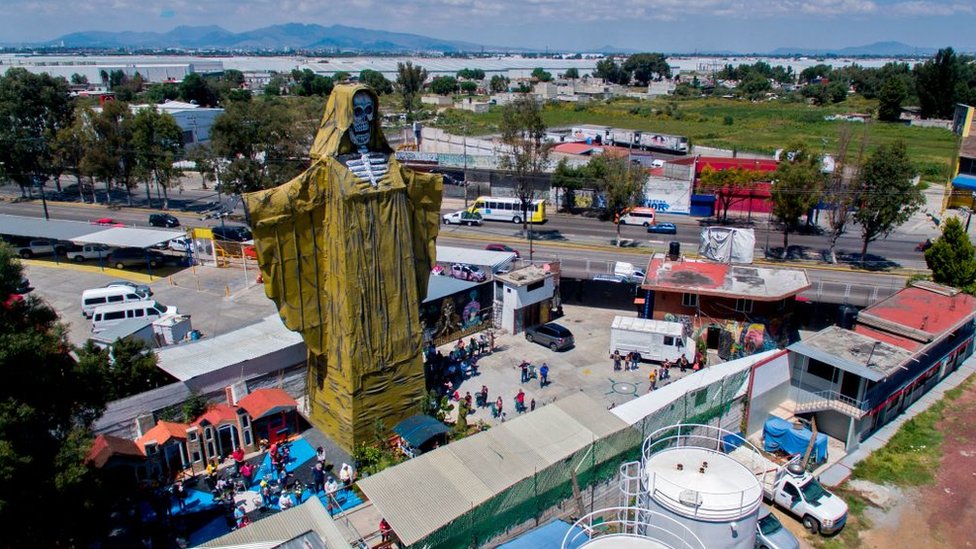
column 110, row 315
column 638, row 216
column 112, row 295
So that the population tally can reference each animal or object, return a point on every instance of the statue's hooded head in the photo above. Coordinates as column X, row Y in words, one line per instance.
column 351, row 122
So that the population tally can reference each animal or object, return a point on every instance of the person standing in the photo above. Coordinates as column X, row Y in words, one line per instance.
column 498, row 406
column 318, row 478
column 484, row 395
column 320, row 455
column 524, row 367
column 520, row 401
column 532, row 405
column 616, row 360
column 683, row 363
column 544, row 375
column 238, row 455
column 385, row 530
column 652, row 378
column 635, row 359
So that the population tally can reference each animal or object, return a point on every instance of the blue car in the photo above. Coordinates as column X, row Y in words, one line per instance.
column 662, row 228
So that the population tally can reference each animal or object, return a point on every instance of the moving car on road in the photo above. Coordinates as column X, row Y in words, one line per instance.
column 551, row 335
column 462, row 217
column 662, row 228
column 163, row 220
column 503, row 248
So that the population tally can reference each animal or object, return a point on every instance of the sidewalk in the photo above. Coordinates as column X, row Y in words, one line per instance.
column 841, row 471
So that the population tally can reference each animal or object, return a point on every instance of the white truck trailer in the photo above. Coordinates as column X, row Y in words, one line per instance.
column 656, row 340
column 795, row 490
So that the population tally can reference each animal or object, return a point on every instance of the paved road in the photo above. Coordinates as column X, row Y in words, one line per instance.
column 583, row 245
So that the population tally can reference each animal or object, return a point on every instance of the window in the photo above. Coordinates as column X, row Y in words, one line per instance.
column 245, row 421
column 115, row 298
column 669, row 341
column 140, row 313
column 191, row 436
column 791, row 491
column 743, row 305
column 247, row 438
column 95, row 301
column 821, row 370
column 196, row 456
column 689, row 300
column 114, row 315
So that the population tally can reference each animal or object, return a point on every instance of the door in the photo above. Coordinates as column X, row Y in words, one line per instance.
column 788, row 497
column 227, row 439
column 849, row 385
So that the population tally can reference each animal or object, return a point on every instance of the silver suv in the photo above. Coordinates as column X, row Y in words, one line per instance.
column 551, row 335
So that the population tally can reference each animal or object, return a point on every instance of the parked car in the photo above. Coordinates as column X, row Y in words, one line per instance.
column 503, row 248
column 181, row 244
column 233, row 233
column 163, row 220
column 463, row 271
column 139, row 288
column 662, row 228
column 610, row 278
column 82, row 252
column 135, row 257
column 42, row 247
column 462, row 217
column 250, row 252
column 551, row 335
column 770, row 533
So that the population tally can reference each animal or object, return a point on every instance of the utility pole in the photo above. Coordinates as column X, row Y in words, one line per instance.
column 464, row 141
column 39, row 181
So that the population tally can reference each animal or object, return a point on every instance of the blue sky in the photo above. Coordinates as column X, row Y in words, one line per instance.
column 657, row 25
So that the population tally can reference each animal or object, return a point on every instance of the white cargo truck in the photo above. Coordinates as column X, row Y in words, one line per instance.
column 628, row 271
column 796, row 490
column 656, row 340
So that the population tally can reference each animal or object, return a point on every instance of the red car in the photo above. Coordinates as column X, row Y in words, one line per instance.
column 250, row 252
column 503, row 248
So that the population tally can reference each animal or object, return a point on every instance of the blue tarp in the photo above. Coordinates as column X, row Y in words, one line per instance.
column 418, row 429
column 965, row 182
column 779, row 435
column 547, row 536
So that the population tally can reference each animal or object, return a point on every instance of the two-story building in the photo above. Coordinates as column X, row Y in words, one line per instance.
column 524, row 297
column 855, row 381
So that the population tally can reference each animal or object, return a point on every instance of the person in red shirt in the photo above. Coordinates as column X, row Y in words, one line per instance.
column 238, row 455
column 385, row 529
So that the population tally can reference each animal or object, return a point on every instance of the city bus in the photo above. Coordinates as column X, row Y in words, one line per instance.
column 496, row 208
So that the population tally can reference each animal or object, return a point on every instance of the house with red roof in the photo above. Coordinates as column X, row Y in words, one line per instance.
column 169, row 447
column 853, row 382
column 710, row 293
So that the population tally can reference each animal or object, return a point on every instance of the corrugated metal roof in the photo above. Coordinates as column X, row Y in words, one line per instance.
column 81, row 232
column 442, row 286
column 482, row 258
column 282, row 527
column 190, row 360
column 422, row 495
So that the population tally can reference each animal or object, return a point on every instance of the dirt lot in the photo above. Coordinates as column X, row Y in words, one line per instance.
column 942, row 515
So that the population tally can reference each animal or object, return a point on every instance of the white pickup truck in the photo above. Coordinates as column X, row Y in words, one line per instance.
column 797, row 491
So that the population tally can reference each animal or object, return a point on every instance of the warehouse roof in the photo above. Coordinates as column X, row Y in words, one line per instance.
column 481, row 258
column 421, row 495
column 308, row 523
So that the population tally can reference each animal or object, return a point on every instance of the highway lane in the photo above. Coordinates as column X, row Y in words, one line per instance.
column 582, row 245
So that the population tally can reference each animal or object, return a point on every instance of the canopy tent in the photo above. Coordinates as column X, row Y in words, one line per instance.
column 964, row 182
column 84, row 233
column 779, row 434
column 418, row 429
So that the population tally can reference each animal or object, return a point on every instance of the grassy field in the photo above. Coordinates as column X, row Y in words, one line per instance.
column 738, row 124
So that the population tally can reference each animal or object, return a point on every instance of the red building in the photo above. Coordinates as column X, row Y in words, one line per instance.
column 757, row 199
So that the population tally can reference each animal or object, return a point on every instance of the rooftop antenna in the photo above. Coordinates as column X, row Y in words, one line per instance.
column 871, row 354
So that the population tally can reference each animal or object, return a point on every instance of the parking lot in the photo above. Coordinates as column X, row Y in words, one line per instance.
column 218, row 300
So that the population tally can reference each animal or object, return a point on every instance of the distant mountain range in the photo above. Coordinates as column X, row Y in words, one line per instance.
column 298, row 36
column 879, row 49
column 276, row 37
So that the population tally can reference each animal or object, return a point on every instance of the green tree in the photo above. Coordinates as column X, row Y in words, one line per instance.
column 571, row 73
column 815, row 72
column 197, row 89
column 341, row 76
column 892, row 94
column 471, row 74
column 277, row 85
column 110, row 156
column 498, row 84
column 840, row 192
column 837, row 91
column 620, row 181
column 157, row 142
column 469, row 87
column 70, row 144
column 307, row 83
column 160, row 93
column 525, row 152
column 951, row 256
column 79, row 79
column 130, row 367
column 936, row 82
column 755, row 86
column 33, row 108
column 569, row 179
column 887, row 196
column 541, row 74
column 48, row 404
column 645, row 67
column 728, row 186
column 376, row 80
column 609, row 71
column 444, row 85
column 410, row 81
column 797, row 186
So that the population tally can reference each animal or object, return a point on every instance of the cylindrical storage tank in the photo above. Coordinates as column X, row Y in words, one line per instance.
column 623, row 542
column 674, row 250
column 708, row 492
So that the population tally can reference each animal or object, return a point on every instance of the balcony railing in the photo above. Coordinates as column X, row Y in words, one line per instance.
column 817, row 401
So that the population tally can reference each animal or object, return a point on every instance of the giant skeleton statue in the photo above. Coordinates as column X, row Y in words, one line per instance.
column 345, row 251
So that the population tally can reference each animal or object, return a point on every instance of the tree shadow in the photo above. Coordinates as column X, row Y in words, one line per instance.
column 872, row 262
column 794, row 253
column 544, row 235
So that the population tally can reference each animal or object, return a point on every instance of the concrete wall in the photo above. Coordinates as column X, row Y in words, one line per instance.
column 770, row 388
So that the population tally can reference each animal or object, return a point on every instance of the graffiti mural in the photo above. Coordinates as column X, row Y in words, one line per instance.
column 454, row 316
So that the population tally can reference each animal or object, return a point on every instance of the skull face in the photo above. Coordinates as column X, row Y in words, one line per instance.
column 363, row 111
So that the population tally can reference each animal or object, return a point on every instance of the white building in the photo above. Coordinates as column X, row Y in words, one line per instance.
column 524, row 297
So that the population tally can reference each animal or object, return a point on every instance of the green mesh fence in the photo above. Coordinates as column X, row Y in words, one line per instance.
column 594, row 463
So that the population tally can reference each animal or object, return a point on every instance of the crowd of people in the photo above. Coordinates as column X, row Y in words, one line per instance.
column 461, row 362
